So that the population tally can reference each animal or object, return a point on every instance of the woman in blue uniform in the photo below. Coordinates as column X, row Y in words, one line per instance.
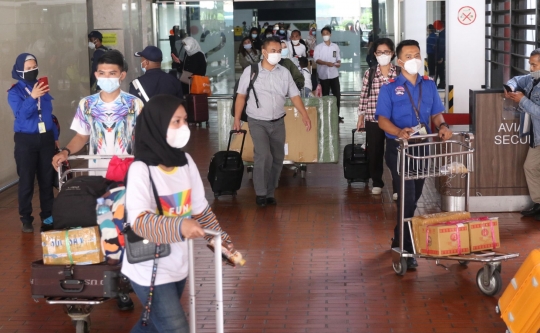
column 35, row 138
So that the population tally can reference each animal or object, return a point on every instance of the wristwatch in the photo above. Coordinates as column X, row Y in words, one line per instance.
column 441, row 125
column 66, row 149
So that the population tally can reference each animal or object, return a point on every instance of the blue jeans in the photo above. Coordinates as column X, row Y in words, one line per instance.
column 166, row 315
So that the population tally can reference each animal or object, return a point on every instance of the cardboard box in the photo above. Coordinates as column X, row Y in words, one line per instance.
column 83, row 246
column 429, row 219
column 444, row 239
column 484, row 234
column 300, row 146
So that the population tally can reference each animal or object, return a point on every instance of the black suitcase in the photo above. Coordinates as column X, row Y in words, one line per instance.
column 78, row 281
column 197, row 109
column 226, row 169
column 355, row 162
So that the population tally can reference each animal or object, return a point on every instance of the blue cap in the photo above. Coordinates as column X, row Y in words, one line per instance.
column 151, row 53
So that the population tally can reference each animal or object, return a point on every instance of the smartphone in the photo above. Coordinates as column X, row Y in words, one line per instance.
column 43, row 80
column 507, row 88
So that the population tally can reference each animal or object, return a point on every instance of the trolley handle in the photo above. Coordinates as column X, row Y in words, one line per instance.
column 469, row 137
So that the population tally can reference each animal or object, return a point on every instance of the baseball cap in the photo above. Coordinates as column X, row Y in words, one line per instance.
column 151, row 53
column 95, row 34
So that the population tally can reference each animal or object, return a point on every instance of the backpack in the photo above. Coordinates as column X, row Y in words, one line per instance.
column 372, row 71
column 75, row 205
column 253, row 77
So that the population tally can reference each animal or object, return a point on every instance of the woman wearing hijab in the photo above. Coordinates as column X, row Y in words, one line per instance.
column 161, row 165
column 194, row 61
column 35, row 137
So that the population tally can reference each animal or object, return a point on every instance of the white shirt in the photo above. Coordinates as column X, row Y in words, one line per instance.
column 328, row 53
column 300, row 50
column 181, row 193
column 307, row 78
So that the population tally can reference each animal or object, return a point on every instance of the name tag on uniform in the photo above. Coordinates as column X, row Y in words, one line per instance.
column 41, row 127
column 334, row 54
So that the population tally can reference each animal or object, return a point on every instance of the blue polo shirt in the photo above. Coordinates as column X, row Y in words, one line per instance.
column 394, row 102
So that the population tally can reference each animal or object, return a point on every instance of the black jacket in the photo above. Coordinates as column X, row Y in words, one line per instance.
column 156, row 82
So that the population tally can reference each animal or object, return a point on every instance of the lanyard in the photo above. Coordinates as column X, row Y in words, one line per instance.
column 415, row 108
column 38, row 103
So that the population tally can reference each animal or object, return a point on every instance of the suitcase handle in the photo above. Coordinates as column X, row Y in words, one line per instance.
column 78, row 283
column 354, row 131
column 229, row 144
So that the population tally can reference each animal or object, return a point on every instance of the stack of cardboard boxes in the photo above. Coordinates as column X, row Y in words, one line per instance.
column 454, row 233
column 79, row 246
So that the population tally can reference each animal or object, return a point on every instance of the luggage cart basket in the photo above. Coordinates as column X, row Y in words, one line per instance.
column 425, row 158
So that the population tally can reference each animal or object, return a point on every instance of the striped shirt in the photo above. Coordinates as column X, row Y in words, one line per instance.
column 367, row 104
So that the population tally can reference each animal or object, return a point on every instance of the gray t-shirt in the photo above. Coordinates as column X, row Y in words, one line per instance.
column 272, row 88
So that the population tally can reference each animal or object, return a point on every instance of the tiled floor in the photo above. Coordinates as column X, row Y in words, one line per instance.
column 317, row 262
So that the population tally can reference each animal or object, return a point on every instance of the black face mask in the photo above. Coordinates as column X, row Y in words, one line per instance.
column 31, row 75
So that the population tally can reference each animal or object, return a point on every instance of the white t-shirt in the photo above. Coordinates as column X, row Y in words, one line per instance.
column 300, row 50
column 307, row 78
column 181, row 193
column 328, row 53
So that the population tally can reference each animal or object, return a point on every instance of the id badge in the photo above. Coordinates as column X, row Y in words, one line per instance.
column 41, row 127
column 334, row 54
column 422, row 130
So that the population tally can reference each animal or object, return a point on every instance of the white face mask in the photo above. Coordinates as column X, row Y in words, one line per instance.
column 296, row 42
column 273, row 58
column 108, row 84
column 178, row 137
column 247, row 46
column 383, row 59
column 326, row 38
column 535, row 75
column 91, row 45
column 414, row 66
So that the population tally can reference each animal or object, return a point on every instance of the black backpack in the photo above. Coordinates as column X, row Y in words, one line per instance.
column 253, row 77
column 372, row 71
column 75, row 205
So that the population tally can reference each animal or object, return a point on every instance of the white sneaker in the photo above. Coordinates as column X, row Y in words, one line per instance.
column 394, row 196
column 376, row 190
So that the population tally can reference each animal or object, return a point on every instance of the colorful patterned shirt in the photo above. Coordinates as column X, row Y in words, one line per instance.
column 109, row 125
column 367, row 104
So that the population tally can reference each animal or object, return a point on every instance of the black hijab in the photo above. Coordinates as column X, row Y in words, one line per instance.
column 151, row 145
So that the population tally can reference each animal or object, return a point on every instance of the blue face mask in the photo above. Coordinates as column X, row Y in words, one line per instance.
column 108, row 84
column 143, row 69
column 284, row 52
column 281, row 31
column 253, row 35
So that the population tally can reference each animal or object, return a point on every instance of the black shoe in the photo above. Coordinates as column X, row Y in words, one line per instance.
column 261, row 201
column 271, row 201
column 411, row 263
column 534, row 210
column 27, row 227
column 341, row 119
column 46, row 227
column 125, row 305
column 395, row 243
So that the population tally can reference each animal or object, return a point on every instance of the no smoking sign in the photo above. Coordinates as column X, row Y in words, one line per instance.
column 466, row 15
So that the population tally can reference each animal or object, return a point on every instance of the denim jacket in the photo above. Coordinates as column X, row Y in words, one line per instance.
column 531, row 106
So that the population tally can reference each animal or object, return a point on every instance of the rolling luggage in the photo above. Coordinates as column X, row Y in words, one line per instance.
column 197, row 109
column 78, row 281
column 226, row 169
column 519, row 305
column 355, row 162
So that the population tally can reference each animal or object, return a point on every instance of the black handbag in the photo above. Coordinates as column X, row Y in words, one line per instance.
column 139, row 249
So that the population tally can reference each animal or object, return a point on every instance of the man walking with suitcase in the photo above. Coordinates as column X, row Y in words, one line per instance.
column 266, row 112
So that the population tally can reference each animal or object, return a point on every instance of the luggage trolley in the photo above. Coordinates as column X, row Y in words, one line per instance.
column 436, row 159
column 79, row 308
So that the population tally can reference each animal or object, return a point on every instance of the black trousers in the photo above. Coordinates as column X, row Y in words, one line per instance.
column 441, row 74
column 375, row 138
column 431, row 64
column 413, row 192
column 33, row 156
column 332, row 84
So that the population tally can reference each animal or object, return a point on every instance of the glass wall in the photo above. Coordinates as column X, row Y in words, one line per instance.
column 211, row 24
column 353, row 28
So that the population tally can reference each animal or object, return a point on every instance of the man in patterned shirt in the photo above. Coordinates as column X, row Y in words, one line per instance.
column 104, row 120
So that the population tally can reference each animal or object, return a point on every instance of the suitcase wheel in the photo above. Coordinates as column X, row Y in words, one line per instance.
column 494, row 283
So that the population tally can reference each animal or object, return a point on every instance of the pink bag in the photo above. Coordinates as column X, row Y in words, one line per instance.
column 318, row 91
column 118, row 168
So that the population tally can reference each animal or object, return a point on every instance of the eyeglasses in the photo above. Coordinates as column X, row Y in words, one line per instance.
column 380, row 53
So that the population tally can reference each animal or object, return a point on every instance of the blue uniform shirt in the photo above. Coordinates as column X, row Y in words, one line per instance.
column 25, row 109
column 394, row 102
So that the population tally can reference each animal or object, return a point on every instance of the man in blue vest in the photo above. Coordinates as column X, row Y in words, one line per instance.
column 404, row 109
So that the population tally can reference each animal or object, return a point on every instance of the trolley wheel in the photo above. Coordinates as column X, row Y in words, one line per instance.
column 463, row 263
column 401, row 267
column 124, row 298
column 495, row 282
column 81, row 326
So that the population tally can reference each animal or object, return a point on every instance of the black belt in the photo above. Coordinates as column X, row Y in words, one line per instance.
column 274, row 120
